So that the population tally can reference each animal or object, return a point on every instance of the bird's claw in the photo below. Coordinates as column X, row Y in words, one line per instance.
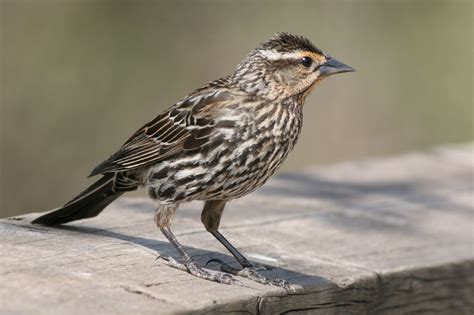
column 193, row 268
column 260, row 267
column 251, row 273
column 170, row 261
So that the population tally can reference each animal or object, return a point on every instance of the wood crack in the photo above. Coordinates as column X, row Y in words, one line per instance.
column 145, row 294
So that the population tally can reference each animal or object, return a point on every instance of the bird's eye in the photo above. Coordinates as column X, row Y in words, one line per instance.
column 306, row 62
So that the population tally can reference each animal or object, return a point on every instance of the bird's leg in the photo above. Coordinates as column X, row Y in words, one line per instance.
column 211, row 217
column 163, row 218
column 240, row 258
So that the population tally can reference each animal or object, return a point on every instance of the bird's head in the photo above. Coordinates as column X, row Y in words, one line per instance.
column 285, row 65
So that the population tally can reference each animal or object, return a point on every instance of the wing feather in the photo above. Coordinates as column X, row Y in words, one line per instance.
column 186, row 126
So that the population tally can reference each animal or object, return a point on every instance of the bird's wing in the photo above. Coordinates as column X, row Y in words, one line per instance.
column 186, row 126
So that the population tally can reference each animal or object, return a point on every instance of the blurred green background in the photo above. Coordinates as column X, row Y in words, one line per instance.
column 78, row 77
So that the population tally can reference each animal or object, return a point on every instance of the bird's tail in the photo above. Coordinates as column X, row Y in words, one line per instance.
column 87, row 204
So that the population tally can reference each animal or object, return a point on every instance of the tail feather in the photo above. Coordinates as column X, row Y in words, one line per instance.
column 87, row 204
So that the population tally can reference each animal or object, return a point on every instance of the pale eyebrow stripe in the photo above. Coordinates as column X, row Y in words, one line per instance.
column 275, row 55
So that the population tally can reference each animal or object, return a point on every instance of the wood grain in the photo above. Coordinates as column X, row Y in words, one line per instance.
column 389, row 236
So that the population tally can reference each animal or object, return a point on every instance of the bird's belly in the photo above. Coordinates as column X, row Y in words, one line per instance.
column 249, row 171
column 228, row 174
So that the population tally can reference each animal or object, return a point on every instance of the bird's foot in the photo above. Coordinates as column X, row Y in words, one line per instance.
column 193, row 268
column 257, row 266
column 251, row 272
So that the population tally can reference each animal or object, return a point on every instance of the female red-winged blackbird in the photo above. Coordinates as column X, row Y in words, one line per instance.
column 219, row 143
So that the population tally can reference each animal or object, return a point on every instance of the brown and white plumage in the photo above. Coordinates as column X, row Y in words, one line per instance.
column 219, row 143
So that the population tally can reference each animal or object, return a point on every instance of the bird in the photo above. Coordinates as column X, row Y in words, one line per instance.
column 220, row 142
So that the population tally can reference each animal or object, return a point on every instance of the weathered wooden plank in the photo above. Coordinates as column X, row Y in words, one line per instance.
column 383, row 236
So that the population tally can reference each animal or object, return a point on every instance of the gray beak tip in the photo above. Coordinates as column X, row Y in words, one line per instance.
column 333, row 66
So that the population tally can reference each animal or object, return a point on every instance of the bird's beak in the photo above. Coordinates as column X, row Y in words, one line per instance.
column 333, row 66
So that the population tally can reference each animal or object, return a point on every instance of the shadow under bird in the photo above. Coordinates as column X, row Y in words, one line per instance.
column 221, row 142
